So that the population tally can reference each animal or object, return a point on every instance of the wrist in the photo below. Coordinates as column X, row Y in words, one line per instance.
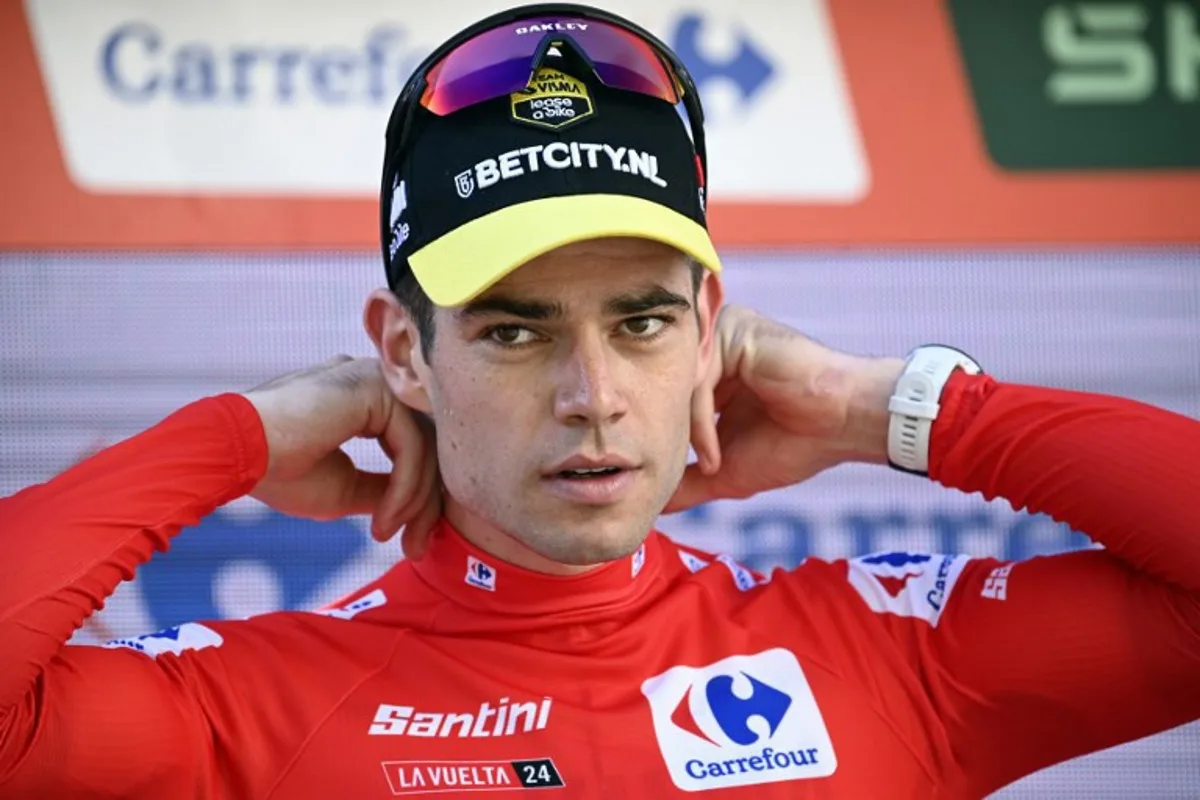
column 867, row 415
column 916, row 403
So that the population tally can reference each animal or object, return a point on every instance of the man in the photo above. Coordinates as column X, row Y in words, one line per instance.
column 553, row 341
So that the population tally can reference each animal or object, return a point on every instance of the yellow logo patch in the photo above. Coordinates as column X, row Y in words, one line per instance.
column 552, row 100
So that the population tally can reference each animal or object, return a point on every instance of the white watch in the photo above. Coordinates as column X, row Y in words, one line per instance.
column 916, row 400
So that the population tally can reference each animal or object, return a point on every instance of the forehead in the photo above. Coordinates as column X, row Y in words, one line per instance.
column 598, row 266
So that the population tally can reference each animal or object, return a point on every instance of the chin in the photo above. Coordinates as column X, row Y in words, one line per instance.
column 582, row 545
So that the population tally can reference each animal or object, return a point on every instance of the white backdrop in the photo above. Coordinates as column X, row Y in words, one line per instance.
column 95, row 348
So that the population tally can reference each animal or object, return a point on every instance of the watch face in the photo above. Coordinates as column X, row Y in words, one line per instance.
column 942, row 352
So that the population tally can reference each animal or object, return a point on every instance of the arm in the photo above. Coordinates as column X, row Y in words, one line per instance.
column 81, row 721
column 1079, row 651
column 65, row 546
column 1041, row 661
column 1125, row 473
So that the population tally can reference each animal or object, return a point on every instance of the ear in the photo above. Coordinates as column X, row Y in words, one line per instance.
column 398, row 342
column 709, row 299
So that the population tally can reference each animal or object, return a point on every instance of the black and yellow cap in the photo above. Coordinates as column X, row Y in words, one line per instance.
column 480, row 192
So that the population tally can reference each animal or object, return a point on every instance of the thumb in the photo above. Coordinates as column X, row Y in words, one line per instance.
column 695, row 488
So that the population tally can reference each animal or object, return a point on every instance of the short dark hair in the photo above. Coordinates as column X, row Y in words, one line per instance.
column 418, row 305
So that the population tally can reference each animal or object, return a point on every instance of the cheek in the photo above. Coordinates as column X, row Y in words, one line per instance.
column 667, row 394
column 478, row 431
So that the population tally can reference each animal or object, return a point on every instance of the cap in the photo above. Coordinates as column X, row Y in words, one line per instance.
column 486, row 189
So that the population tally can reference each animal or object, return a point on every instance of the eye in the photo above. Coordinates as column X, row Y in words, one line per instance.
column 510, row 335
column 645, row 327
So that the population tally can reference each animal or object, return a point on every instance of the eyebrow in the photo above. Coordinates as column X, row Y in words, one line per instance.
column 629, row 303
column 498, row 304
column 647, row 300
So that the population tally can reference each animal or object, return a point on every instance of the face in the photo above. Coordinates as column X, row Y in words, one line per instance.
column 562, row 397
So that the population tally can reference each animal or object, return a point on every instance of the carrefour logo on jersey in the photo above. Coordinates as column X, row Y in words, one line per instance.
column 906, row 584
column 743, row 721
column 188, row 636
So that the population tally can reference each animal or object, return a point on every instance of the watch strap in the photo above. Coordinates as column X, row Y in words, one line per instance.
column 916, row 401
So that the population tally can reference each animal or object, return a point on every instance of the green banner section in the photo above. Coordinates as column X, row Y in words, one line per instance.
column 1089, row 85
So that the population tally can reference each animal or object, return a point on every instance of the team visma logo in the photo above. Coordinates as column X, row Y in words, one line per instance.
column 745, row 720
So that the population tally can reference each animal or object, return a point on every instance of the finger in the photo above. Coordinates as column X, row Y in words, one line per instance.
column 426, row 489
column 695, row 488
column 407, row 442
column 419, row 531
column 724, row 393
column 704, row 431
column 400, row 515
column 403, row 484
column 425, row 514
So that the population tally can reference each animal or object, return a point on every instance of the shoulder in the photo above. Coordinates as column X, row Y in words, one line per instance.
column 281, row 631
column 906, row 584
column 686, row 560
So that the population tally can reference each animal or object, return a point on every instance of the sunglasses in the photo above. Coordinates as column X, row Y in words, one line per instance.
column 500, row 54
column 502, row 60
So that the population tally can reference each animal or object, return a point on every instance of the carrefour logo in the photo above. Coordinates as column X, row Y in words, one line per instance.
column 189, row 636
column 733, row 713
column 139, row 61
column 745, row 720
column 209, row 97
column 914, row 585
column 748, row 69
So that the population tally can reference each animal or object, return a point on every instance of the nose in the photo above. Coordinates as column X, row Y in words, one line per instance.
column 588, row 390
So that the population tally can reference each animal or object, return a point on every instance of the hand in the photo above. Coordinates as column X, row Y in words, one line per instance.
column 788, row 408
column 308, row 415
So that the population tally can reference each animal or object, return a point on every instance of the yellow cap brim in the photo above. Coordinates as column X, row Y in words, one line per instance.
column 461, row 265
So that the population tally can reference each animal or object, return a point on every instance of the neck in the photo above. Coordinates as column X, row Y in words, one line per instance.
column 504, row 546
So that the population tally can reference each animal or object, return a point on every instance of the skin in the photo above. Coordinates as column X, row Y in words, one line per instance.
column 594, row 349
column 505, row 398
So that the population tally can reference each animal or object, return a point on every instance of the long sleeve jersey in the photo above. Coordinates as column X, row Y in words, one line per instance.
column 891, row 675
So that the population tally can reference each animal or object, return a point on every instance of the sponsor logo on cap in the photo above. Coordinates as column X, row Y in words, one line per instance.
column 557, row 156
column 399, row 205
column 552, row 100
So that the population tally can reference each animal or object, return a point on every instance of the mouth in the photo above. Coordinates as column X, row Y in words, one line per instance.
column 592, row 482
column 587, row 473
column 581, row 467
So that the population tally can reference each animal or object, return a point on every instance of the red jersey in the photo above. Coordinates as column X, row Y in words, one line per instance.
column 670, row 671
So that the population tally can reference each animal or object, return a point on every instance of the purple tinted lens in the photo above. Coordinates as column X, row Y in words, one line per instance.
column 500, row 61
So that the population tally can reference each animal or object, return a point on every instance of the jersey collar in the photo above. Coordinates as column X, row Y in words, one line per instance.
column 469, row 577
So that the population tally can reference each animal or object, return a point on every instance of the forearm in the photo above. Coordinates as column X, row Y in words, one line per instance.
column 66, row 545
column 1125, row 473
